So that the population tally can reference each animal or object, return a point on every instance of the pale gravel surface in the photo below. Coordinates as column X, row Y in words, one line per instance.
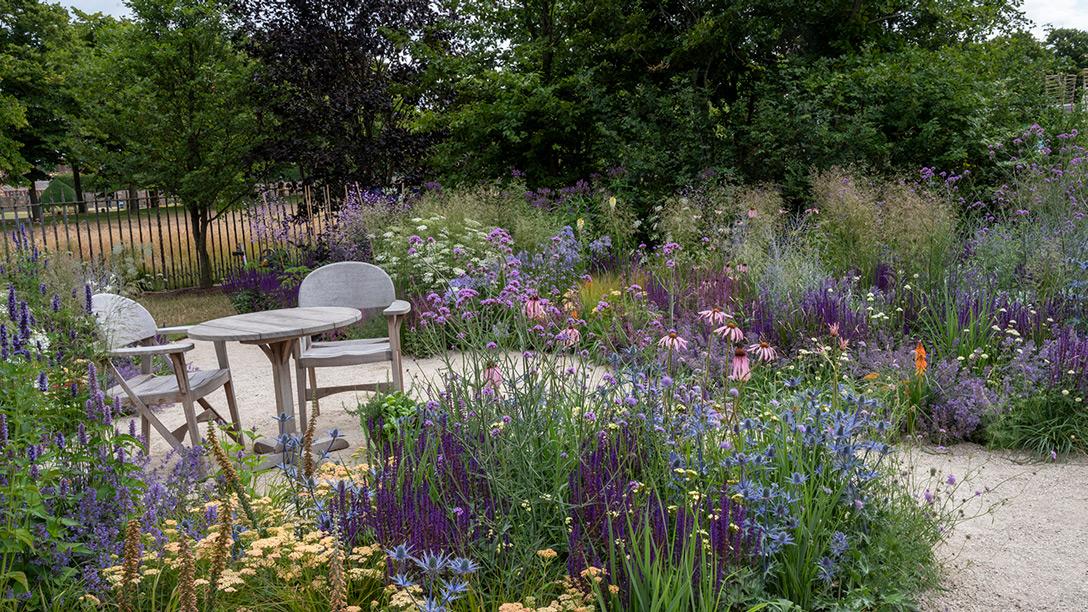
column 1029, row 552
column 252, row 374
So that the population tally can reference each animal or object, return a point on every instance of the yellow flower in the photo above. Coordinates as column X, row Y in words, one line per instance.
column 547, row 553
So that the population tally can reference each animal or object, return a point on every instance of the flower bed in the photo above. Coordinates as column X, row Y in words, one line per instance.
column 711, row 421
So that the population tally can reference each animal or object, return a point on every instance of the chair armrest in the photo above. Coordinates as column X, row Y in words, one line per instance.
column 158, row 349
column 397, row 308
column 175, row 330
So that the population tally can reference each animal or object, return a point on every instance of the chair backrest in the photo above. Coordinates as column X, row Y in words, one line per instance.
column 122, row 321
column 350, row 284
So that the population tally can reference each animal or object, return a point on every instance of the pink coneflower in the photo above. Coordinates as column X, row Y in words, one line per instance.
column 714, row 316
column 752, row 213
column 492, row 376
column 535, row 308
column 763, row 350
column 742, row 268
column 672, row 341
column 569, row 336
column 740, row 369
column 730, row 331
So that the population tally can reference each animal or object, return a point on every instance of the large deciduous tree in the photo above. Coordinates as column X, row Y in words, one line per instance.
column 1070, row 48
column 559, row 89
column 169, row 106
column 36, row 50
column 344, row 81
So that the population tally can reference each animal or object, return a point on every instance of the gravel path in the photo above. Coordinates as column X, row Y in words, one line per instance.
column 1030, row 552
column 252, row 374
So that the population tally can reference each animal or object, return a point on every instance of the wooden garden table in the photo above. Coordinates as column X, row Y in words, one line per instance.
column 278, row 332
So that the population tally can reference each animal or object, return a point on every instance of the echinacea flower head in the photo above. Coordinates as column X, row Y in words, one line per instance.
column 730, row 332
column 740, row 368
column 492, row 376
column 763, row 350
column 672, row 341
column 535, row 308
column 569, row 336
column 714, row 316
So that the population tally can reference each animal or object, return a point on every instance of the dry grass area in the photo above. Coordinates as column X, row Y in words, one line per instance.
column 186, row 307
column 160, row 240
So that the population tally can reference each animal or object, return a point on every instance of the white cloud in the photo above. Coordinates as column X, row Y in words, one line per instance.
column 116, row 8
column 1057, row 13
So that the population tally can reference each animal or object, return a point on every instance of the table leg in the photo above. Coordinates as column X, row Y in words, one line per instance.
column 279, row 354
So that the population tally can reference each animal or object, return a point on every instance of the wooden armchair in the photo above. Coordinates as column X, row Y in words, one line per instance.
column 130, row 331
column 350, row 284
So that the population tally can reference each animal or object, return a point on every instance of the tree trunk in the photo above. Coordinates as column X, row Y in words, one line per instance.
column 199, row 221
column 77, row 184
column 35, row 206
column 133, row 198
column 153, row 202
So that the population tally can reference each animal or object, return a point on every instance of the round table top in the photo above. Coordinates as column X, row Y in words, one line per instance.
column 274, row 325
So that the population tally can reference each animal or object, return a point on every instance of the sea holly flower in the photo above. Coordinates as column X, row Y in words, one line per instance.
column 400, row 553
column 432, row 564
column 462, row 566
column 730, row 332
column 672, row 341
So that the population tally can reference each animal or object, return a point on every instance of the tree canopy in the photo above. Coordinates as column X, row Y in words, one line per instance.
column 192, row 98
column 169, row 106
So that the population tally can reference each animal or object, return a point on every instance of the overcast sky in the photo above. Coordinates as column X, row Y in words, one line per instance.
column 1059, row 13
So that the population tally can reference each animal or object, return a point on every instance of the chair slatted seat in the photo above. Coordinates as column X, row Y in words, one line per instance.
column 130, row 332
column 350, row 284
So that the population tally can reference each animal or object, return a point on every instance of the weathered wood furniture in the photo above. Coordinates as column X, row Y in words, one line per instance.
column 277, row 332
column 368, row 289
column 125, row 323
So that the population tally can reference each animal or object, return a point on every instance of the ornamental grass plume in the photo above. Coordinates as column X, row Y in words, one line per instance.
column 920, row 363
column 231, row 476
column 224, row 539
column 186, row 575
column 130, row 567
column 307, row 447
column 338, row 598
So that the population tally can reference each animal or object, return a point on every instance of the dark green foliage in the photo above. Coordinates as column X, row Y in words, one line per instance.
column 340, row 79
column 772, row 88
column 1070, row 48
